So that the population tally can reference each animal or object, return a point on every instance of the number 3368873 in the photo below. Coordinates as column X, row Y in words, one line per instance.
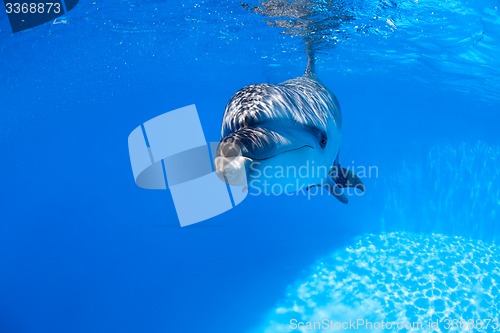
column 33, row 7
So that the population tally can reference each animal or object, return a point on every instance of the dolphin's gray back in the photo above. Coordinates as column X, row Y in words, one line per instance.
column 303, row 100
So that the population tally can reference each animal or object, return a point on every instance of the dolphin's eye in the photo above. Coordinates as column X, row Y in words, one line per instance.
column 322, row 143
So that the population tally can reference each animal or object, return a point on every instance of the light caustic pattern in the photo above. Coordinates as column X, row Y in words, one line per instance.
column 398, row 278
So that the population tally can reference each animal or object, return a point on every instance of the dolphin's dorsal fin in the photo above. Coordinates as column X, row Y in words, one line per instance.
column 311, row 61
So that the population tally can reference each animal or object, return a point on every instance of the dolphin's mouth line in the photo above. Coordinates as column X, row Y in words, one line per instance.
column 285, row 151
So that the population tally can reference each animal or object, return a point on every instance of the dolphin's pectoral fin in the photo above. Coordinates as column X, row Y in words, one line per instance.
column 311, row 186
column 333, row 189
column 341, row 178
column 336, row 191
column 346, row 178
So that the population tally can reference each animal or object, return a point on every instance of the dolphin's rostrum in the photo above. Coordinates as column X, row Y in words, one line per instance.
column 291, row 125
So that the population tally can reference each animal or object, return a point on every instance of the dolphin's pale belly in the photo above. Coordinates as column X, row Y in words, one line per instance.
column 286, row 173
column 284, row 135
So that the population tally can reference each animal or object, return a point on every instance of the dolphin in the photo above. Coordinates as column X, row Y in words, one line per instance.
column 270, row 132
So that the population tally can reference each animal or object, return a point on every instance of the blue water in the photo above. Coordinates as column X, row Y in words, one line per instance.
column 83, row 249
